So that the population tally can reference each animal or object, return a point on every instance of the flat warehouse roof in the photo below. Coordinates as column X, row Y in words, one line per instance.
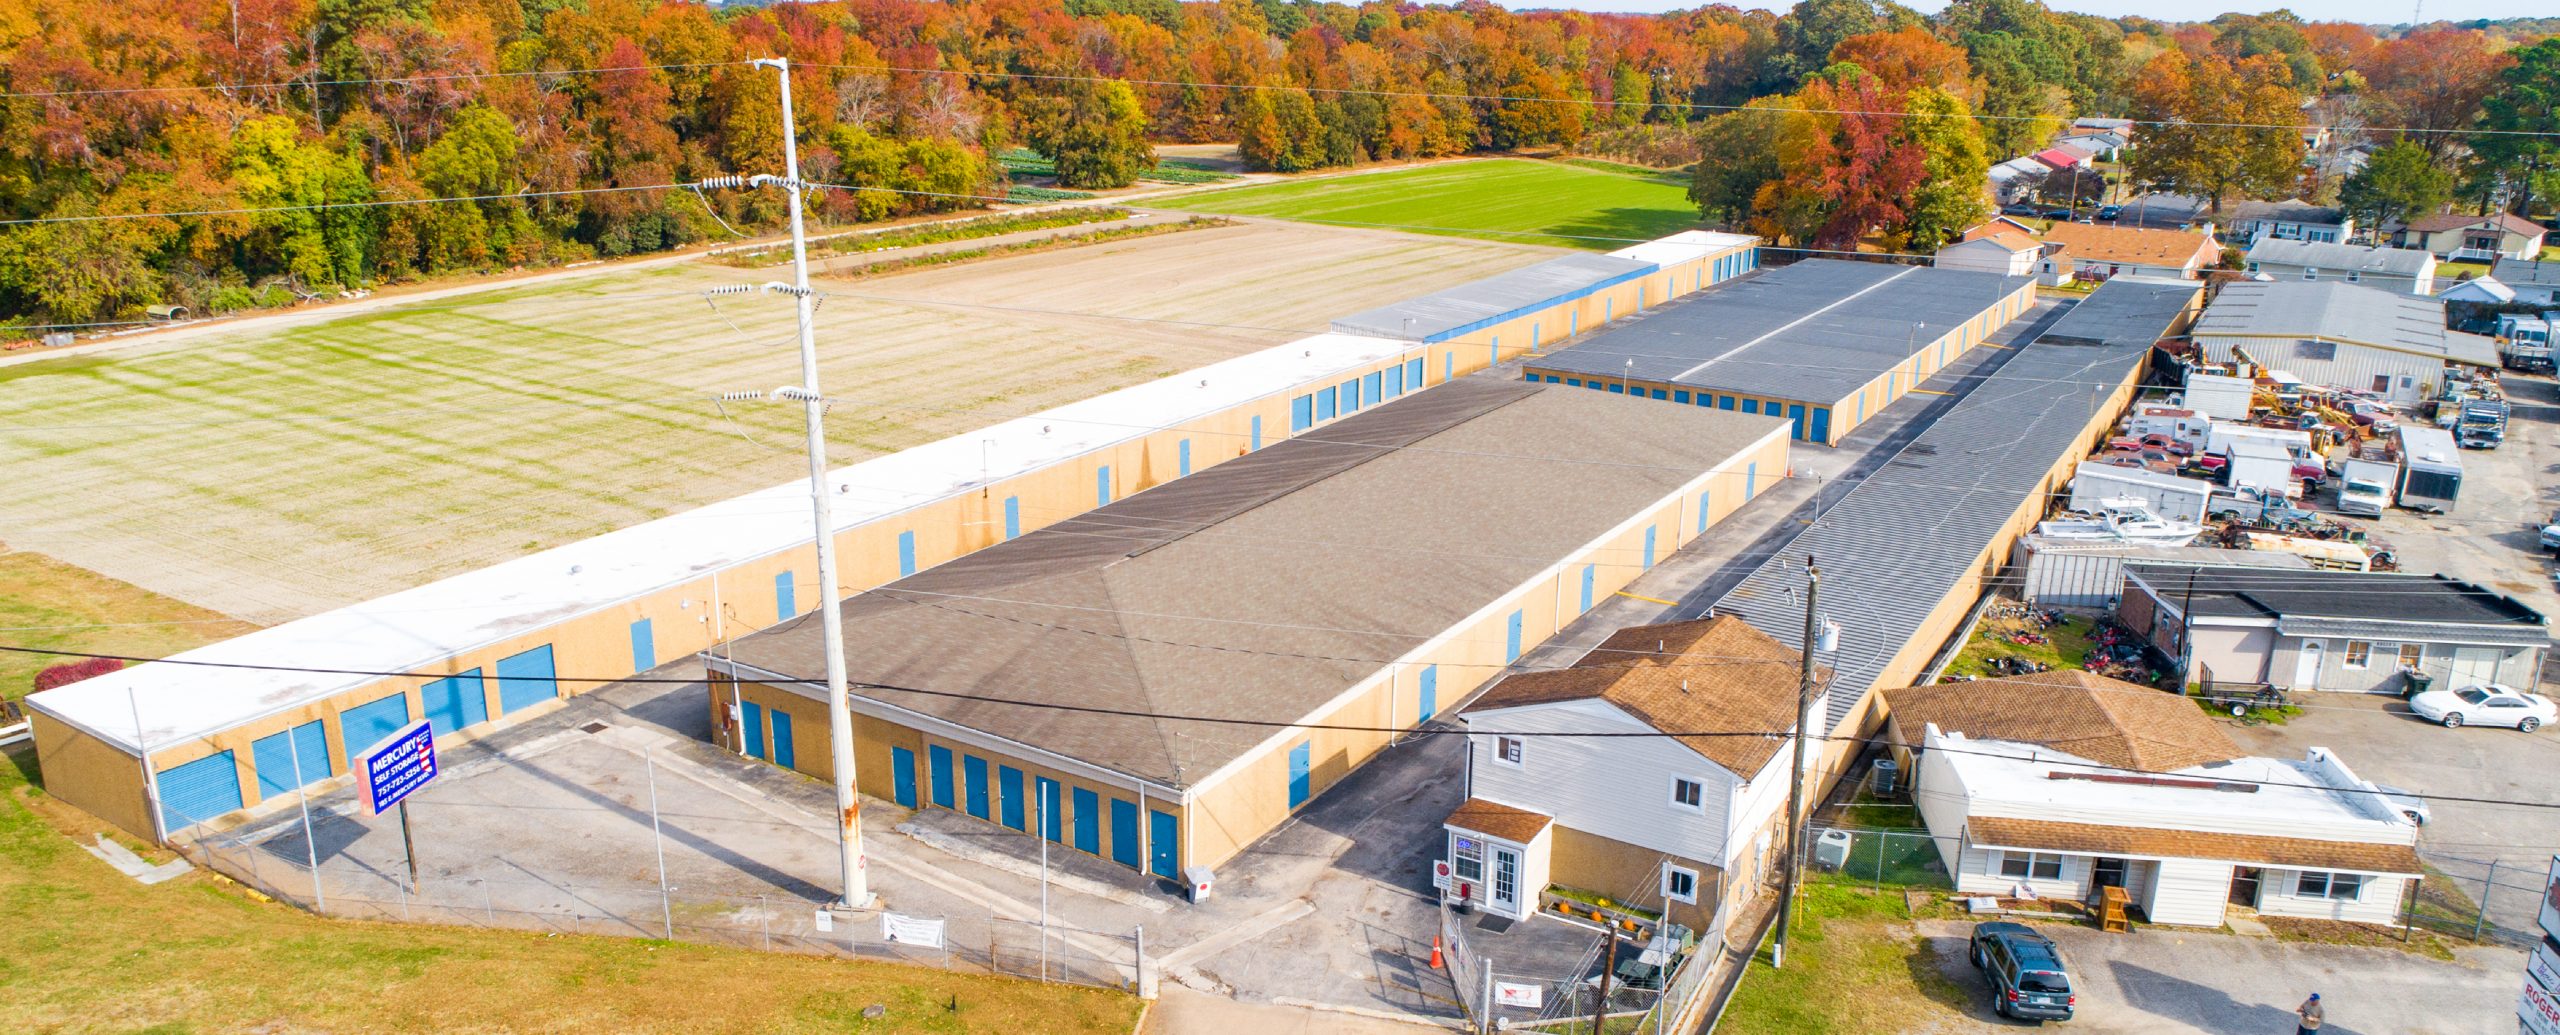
column 1266, row 586
column 2351, row 313
column 1898, row 541
column 1470, row 307
column 1815, row 331
column 418, row 628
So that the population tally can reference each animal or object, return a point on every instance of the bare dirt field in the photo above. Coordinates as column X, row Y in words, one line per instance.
column 272, row 474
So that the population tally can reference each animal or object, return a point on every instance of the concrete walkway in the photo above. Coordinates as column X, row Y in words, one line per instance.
column 1182, row 1011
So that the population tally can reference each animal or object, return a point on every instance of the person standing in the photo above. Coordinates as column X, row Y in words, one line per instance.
column 2309, row 1016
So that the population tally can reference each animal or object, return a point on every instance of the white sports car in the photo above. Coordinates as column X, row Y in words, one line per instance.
column 2489, row 704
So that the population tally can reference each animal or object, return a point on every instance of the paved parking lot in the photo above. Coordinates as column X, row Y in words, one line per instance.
column 2492, row 536
column 2159, row 981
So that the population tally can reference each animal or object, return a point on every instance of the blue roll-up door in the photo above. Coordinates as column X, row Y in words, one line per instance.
column 1299, row 769
column 1088, row 821
column 1681, row 397
column 1373, row 389
column 1182, row 458
column 456, row 702
column 644, row 647
column 906, row 553
column 1703, row 510
column 1649, row 531
column 1302, row 413
column 1750, row 481
column 1413, row 373
column 1795, row 420
column 785, row 603
column 1012, row 516
column 751, row 729
column 526, row 679
column 1590, row 576
column 359, row 727
column 204, row 789
column 1660, row 394
column 1617, row 389
column 783, row 752
column 291, row 759
column 1052, row 826
column 1256, row 441
column 902, row 775
column 1430, row 691
column 1750, row 405
column 1009, row 796
column 1511, row 639
column 1395, row 381
column 974, row 769
column 1448, row 366
column 1724, row 402
column 1164, row 845
column 940, row 758
column 1102, row 486
column 1124, row 833
column 1821, row 424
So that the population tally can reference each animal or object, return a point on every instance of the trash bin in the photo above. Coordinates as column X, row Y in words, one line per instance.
column 1197, row 879
column 2415, row 683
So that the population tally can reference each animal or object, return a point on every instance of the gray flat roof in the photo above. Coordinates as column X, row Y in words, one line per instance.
column 2341, row 258
column 1474, row 306
column 1900, row 540
column 2351, row 601
column 2526, row 272
column 2350, row 313
column 1268, row 585
column 1815, row 331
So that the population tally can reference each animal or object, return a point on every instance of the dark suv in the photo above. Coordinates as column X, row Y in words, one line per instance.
column 2027, row 978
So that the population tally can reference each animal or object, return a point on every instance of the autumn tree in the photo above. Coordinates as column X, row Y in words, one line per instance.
column 2432, row 82
column 1845, row 167
column 2217, row 131
column 2398, row 183
column 1094, row 132
column 1954, row 165
column 1906, row 59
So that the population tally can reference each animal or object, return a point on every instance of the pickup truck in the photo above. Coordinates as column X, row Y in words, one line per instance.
column 2253, row 506
column 2551, row 535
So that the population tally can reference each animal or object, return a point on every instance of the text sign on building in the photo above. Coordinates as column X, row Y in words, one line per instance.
column 1526, row 997
column 2542, row 966
column 395, row 767
column 2539, row 1010
column 2551, row 900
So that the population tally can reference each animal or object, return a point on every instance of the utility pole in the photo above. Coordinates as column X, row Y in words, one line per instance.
column 1795, row 781
column 1608, row 962
column 813, row 407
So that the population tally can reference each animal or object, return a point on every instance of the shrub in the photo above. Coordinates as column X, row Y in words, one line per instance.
column 71, row 672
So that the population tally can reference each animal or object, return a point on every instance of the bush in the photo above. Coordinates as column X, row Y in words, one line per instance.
column 231, row 299
column 71, row 672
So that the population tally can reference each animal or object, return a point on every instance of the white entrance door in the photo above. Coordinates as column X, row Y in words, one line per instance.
column 2473, row 666
column 1506, row 880
column 2306, row 664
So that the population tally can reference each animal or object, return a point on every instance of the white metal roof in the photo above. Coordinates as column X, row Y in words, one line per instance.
column 2316, row 796
column 2141, row 476
column 416, row 628
column 1685, row 246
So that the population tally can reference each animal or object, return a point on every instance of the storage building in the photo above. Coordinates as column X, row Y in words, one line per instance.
column 1511, row 314
column 2332, row 630
column 2168, row 495
column 1826, row 342
column 1340, row 578
column 2344, row 335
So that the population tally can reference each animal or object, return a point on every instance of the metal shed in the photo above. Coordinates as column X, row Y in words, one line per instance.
column 2058, row 573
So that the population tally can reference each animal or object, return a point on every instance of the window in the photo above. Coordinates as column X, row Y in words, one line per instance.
column 1688, row 794
column 2031, row 865
column 2315, row 350
column 2381, row 382
column 2412, row 655
column 2311, row 273
column 2342, row 887
column 1679, row 885
column 1506, row 750
column 1466, row 859
column 2359, row 654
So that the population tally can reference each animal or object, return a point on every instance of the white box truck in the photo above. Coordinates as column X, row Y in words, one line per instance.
column 2430, row 469
column 2364, row 487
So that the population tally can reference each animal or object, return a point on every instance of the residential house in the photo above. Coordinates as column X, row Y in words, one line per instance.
column 2289, row 221
column 2106, row 721
column 2097, row 251
column 2463, row 238
column 2102, row 146
column 2188, row 843
column 2332, row 630
column 2120, row 127
column 2015, row 179
column 2059, row 159
column 1682, row 824
column 2339, row 334
column 2405, row 270
column 2485, row 291
column 2534, row 281
column 2008, row 253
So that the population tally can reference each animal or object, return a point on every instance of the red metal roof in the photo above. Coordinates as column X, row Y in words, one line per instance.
column 2058, row 157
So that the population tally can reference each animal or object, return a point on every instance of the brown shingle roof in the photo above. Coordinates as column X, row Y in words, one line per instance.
column 2107, row 721
column 2249, row 849
column 2132, row 245
column 1498, row 820
column 1711, row 676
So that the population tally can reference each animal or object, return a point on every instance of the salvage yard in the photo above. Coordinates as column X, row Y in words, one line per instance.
column 273, row 474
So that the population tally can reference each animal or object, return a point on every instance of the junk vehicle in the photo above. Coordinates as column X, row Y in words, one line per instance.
column 2364, row 487
column 2524, row 341
column 2483, row 424
column 2430, row 470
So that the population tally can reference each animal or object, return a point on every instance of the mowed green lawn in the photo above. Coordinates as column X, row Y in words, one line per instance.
column 84, row 948
column 1503, row 199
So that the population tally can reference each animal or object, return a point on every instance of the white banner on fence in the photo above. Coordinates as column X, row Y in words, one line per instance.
column 911, row 930
column 1526, row 997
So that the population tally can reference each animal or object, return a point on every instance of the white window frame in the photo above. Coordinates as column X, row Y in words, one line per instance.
column 2352, row 661
column 2032, row 859
column 1466, row 858
column 2330, row 882
column 1510, row 751
column 1668, row 873
column 2400, row 655
column 1699, row 806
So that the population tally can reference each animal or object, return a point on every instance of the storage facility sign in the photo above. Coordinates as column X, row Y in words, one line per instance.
column 2539, row 1010
column 1526, row 997
column 395, row 767
column 2542, row 965
column 2551, row 900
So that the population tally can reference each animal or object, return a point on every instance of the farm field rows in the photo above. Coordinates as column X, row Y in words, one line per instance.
column 1504, row 199
column 273, row 474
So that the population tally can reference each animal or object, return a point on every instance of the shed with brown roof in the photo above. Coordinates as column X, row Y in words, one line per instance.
column 2103, row 720
column 2107, row 251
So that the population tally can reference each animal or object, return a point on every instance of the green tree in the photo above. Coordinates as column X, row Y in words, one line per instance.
column 1737, row 153
column 2398, row 182
column 1277, row 130
column 1955, row 165
column 475, row 158
column 273, row 167
column 1096, row 134
column 2521, row 118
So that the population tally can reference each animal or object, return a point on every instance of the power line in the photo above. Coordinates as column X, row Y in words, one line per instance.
column 308, row 83
column 108, row 217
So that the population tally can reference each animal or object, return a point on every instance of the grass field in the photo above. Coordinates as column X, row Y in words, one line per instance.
column 1505, row 199
column 84, row 948
column 46, row 603
column 272, row 473
column 1853, row 964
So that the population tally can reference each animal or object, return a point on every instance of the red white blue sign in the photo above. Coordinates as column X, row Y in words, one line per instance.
column 397, row 765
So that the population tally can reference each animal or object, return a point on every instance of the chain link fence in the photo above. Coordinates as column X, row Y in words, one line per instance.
column 1876, row 859
column 772, row 921
column 1645, row 995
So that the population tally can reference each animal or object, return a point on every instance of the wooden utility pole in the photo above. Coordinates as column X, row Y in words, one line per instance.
column 1795, row 781
column 1608, row 963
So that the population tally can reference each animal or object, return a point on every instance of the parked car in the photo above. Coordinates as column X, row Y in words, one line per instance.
column 2058, row 213
column 2110, row 213
column 2407, row 801
column 2024, row 968
column 2157, row 440
column 2488, row 704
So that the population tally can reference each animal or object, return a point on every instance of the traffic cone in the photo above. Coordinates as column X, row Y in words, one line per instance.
column 1435, row 952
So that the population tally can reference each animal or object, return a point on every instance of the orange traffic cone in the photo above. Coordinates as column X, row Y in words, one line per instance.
column 1435, row 952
